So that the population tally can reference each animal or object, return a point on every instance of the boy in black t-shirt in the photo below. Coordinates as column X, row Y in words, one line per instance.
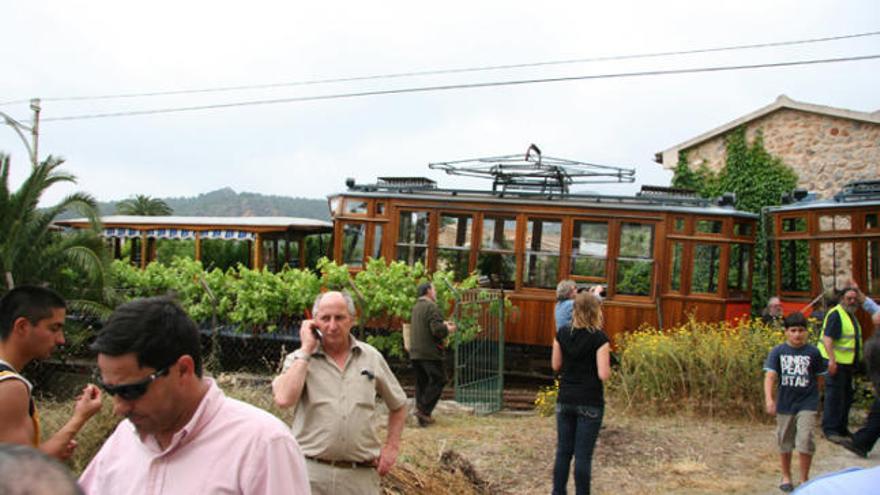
column 796, row 366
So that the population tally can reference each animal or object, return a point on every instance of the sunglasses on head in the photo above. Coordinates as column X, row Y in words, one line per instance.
column 134, row 390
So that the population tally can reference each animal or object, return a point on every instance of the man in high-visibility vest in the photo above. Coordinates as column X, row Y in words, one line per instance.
column 841, row 347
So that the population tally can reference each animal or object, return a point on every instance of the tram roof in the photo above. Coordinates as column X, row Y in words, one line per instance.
column 856, row 194
column 244, row 223
column 822, row 204
column 660, row 203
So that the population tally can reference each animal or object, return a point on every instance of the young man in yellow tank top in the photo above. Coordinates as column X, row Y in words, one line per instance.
column 31, row 326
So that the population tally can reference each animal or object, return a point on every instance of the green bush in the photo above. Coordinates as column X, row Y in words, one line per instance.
column 259, row 300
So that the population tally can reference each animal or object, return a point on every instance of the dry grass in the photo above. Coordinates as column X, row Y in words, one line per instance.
column 514, row 453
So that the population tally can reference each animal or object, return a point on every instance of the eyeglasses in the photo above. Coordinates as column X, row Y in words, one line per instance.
column 134, row 390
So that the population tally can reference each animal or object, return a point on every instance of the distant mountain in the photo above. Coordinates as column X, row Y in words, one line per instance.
column 228, row 203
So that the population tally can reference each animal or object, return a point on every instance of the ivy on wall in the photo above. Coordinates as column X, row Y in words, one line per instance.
column 757, row 178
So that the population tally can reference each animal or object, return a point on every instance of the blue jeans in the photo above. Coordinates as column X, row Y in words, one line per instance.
column 577, row 428
column 838, row 399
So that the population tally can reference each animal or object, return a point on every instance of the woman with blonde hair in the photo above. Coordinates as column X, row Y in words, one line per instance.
column 582, row 357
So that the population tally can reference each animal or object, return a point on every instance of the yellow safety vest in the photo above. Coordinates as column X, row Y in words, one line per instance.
column 845, row 346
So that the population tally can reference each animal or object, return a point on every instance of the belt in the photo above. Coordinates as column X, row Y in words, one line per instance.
column 343, row 464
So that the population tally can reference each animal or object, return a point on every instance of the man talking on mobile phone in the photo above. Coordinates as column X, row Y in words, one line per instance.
column 332, row 384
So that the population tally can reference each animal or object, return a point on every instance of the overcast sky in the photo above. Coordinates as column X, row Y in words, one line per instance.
column 86, row 48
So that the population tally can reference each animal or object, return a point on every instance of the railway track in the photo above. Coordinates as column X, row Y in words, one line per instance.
column 517, row 399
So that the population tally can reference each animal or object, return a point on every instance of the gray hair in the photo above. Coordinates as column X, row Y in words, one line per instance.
column 564, row 290
column 349, row 303
column 27, row 471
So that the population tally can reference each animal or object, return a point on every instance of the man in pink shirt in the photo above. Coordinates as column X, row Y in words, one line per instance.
column 181, row 433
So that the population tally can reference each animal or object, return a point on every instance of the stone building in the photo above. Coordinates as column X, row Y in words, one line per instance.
column 827, row 147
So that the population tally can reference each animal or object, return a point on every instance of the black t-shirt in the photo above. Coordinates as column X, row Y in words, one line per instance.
column 796, row 369
column 580, row 384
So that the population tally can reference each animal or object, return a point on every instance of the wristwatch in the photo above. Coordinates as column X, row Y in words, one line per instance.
column 301, row 354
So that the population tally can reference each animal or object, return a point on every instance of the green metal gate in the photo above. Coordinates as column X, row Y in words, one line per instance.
column 479, row 349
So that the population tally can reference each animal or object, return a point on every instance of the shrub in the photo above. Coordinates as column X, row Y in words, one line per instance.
column 545, row 401
column 709, row 368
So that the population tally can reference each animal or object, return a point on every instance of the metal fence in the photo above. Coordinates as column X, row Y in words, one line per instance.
column 479, row 349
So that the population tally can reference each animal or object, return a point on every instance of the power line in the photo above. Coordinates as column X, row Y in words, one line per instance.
column 452, row 71
column 424, row 89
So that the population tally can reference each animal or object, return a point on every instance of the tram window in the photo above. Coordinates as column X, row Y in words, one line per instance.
column 738, row 269
column 677, row 255
column 380, row 209
column 678, row 224
column 542, row 253
column 873, row 264
column 412, row 236
column 355, row 206
column 496, row 260
column 589, row 249
column 871, row 221
column 742, row 229
column 376, row 252
column 794, row 224
column 706, row 264
column 635, row 264
column 353, row 244
column 454, row 244
column 794, row 257
column 709, row 226
column 834, row 222
column 835, row 264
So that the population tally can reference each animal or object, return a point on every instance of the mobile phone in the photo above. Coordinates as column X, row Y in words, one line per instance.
column 317, row 333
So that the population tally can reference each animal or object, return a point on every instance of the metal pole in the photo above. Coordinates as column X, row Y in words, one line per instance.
column 35, row 131
column 501, row 316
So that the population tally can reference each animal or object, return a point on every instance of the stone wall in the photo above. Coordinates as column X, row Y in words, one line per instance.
column 826, row 152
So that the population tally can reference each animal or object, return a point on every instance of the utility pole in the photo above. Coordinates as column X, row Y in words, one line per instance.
column 32, row 148
column 34, row 129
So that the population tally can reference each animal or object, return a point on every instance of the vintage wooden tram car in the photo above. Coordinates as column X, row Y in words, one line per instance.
column 819, row 246
column 661, row 254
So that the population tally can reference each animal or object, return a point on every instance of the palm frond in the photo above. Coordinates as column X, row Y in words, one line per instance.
column 89, row 307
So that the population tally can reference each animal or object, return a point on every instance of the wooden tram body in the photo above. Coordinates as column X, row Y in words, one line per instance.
column 661, row 256
column 818, row 246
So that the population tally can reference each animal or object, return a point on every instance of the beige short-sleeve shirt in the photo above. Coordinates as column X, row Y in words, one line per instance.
column 333, row 419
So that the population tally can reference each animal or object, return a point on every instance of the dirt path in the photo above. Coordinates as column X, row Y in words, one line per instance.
column 635, row 455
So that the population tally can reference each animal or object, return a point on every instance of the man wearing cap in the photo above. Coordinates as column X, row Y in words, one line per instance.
column 426, row 351
column 181, row 434
column 332, row 382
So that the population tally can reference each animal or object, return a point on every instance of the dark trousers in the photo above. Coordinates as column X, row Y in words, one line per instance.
column 838, row 399
column 430, row 379
column 866, row 437
column 577, row 428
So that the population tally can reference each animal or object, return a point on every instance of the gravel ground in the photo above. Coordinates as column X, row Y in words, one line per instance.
column 513, row 453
